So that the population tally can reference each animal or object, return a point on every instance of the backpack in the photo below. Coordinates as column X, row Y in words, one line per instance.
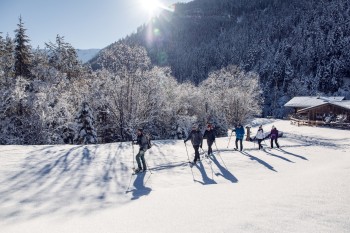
column 148, row 137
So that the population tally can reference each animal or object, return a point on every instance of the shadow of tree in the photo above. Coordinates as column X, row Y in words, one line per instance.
column 62, row 180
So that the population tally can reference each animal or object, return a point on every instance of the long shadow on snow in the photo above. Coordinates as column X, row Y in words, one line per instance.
column 206, row 180
column 139, row 186
column 262, row 162
column 169, row 165
column 224, row 172
column 289, row 153
column 277, row 156
column 52, row 180
column 32, row 174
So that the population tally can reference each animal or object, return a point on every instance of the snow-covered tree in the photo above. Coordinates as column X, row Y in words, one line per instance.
column 8, row 59
column 63, row 57
column 23, row 52
column 233, row 92
column 86, row 132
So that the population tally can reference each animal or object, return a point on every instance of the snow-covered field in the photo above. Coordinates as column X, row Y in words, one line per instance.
column 304, row 187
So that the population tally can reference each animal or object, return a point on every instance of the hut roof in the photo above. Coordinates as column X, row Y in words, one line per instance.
column 312, row 101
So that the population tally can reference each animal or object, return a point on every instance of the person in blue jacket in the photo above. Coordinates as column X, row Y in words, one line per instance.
column 239, row 130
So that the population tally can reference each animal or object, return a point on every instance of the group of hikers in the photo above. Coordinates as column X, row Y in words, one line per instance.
column 197, row 137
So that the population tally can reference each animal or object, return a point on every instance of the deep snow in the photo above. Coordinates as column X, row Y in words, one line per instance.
column 304, row 187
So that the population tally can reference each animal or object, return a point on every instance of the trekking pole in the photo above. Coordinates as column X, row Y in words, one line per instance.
column 133, row 168
column 194, row 180
column 229, row 140
column 220, row 155
column 217, row 148
column 149, row 169
column 204, row 153
column 133, row 156
column 265, row 143
column 187, row 153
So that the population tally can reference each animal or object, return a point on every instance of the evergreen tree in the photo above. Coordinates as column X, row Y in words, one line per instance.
column 63, row 57
column 22, row 51
column 296, row 47
column 86, row 131
column 2, row 51
column 2, row 45
column 8, row 58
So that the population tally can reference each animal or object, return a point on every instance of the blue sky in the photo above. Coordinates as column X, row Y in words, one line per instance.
column 84, row 24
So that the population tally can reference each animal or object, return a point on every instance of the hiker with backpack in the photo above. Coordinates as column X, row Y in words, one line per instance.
column 239, row 130
column 260, row 136
column 274, row 136
column 196, row 140
column 209, row 134
column 143, row 142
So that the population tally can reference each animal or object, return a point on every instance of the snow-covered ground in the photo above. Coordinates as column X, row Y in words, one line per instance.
column 304, row 187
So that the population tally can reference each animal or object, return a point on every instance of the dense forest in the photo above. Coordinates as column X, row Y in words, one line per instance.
column 48, row 97
column 222, row 62
column 296, row 47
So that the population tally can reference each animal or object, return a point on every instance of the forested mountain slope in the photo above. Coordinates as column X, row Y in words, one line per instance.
column 297, row 47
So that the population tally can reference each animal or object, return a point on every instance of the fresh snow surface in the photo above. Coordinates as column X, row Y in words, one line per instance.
column 304, row 187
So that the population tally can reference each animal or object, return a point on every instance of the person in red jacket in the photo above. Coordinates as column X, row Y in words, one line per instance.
column 274, row 136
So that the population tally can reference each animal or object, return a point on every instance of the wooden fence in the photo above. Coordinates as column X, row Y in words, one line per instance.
column 301, row 122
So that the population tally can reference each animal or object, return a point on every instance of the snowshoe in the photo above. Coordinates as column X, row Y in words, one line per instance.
column 137, row 170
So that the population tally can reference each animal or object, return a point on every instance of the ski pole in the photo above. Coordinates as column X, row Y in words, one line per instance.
column 187, row 152
column 229, row 140
column 133, row 156
column 220, row 155
column 149, row 169
column 204, row 152
column 216, row 147
column 194, row 180
column 265, row 143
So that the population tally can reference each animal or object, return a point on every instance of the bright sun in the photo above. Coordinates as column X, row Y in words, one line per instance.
column 151, row 5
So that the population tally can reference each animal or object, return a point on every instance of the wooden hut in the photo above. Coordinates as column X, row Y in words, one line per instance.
column 332, row 111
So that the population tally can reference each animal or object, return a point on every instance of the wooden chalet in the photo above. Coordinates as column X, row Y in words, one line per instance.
column 330, row 111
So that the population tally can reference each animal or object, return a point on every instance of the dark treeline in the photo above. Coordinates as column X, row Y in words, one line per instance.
column 297, row 47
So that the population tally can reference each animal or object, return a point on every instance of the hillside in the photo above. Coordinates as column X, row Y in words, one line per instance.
column 304, row 187
column 297, row 47
column 84, row 55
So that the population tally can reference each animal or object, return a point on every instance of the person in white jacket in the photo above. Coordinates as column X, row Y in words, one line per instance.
column 260, row 136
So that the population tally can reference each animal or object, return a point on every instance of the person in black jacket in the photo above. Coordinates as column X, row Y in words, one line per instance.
column 209, row 134
column 140, row 157
column 196, row 139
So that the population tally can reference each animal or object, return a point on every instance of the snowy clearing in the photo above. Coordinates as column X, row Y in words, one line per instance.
column 303, row 187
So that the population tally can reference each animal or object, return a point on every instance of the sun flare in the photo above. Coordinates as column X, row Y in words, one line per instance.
column 151, row 5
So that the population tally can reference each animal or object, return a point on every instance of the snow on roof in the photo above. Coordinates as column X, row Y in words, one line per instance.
column 310, row 101
column 333, row 98
column 344, row 104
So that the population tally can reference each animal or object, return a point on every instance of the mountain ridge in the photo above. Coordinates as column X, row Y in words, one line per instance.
column 84, row 55
column 297, row 48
